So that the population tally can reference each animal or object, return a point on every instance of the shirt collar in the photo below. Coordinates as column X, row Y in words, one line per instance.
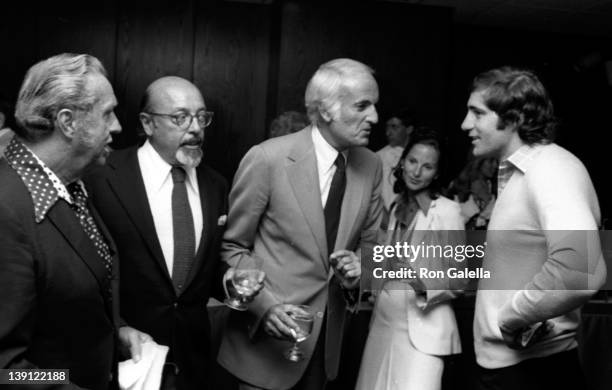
column 158, row 170
column 407, row 208
column 42, row 183
column 326, row 154
column 521, row 158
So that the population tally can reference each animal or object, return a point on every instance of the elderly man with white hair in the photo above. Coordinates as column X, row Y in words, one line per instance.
column 301, row 205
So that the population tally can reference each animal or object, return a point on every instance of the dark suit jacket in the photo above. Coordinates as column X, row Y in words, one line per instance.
column 276, row 216
column 54, row 309
column 148, row 300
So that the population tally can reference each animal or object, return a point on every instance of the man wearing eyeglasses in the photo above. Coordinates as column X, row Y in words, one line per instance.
column 167, row 214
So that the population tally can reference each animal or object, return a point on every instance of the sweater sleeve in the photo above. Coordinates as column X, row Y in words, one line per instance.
column 567, row 210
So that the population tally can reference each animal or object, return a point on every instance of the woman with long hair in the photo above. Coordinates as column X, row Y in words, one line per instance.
column 413, row 324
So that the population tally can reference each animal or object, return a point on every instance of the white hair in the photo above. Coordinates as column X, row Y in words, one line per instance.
column 327, row 85
column 51, row 85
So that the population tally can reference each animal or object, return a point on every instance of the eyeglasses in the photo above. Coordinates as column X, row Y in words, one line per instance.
column 183, row 119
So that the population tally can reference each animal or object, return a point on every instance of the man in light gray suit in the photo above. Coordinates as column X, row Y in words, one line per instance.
column 302, row 205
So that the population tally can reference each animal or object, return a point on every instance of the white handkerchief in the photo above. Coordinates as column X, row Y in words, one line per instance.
column 147, row 373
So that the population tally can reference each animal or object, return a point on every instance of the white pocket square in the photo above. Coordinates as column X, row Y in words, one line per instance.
column 222, row 219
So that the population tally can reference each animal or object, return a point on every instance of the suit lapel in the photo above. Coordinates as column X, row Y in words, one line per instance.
column 126, row 181
column 102, row 228
column 304, row 178
column 64, row 219
column 113, row 306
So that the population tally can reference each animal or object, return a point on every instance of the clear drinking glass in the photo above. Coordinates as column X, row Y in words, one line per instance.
column 244, row 281
column 303, row 316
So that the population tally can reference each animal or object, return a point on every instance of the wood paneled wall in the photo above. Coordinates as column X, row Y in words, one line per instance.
column 409, row 48
column 251, row 61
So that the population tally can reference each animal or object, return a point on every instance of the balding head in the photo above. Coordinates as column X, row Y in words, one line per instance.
column 173, row 117
column 160, row 89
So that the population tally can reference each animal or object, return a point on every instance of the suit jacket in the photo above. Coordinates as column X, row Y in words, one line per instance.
column 148, row 300
column 276, row 216
column 55, row 311
column 431, row 322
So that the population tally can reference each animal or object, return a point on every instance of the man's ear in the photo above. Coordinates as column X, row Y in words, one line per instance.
column 66, row 120
column 147, row 123
column 325, row 115
column 514, row 121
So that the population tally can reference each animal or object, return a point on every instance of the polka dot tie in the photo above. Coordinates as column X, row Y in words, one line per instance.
column 79, row 206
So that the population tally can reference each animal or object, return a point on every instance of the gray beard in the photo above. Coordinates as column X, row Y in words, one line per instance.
column 189, row 158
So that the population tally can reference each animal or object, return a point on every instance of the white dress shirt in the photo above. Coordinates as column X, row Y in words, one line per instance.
column 326, row 156
column 158, row 185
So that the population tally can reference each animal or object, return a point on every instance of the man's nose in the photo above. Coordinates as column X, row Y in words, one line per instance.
column 194, row 126
column 115, row 126
column 467, row 123
column 373, row 115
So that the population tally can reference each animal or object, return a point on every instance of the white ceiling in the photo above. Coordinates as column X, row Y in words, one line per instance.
column 584, row 17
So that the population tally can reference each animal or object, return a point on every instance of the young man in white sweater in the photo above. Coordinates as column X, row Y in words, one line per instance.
column 543, row 250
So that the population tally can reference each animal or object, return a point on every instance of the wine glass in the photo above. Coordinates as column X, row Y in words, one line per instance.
column 244, row 283
column 303, row 316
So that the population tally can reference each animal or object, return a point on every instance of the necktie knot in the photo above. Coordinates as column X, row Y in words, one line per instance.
column 78, row 196
column 178, row 174
column 339, row 162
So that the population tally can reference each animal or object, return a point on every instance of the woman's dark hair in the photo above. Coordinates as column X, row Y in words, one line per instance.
column 518, row 97
column 425, row 136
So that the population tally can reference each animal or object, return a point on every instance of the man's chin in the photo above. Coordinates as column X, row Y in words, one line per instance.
column 189, row 157
column 481, row 152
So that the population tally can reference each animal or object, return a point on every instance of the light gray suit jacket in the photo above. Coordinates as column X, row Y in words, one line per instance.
column 276, row 217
